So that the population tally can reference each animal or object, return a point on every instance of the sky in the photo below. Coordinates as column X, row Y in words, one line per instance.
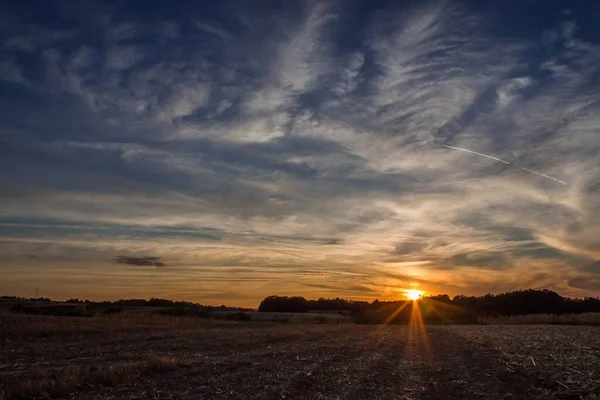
column 221, row 152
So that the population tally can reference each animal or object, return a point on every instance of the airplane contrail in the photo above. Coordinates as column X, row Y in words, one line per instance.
column 474, row 152
column 506, row 162
column 545, row 176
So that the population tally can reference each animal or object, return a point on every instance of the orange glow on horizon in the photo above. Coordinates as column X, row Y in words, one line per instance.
column 414, row 294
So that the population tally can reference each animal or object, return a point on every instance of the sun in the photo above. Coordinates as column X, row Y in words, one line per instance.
column 414, row 294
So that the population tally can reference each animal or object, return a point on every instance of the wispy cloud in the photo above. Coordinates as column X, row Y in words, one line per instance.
column 214, row 30
column 123, row 57
column 314, row 146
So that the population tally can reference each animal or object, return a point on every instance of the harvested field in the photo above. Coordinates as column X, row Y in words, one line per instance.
column 183, row 358
column 546, row 319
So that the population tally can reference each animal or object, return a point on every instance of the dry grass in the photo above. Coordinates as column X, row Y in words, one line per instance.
column 67, row 380
column 546, row 319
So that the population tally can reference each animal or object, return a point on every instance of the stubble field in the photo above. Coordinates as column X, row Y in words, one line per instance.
column 181, row 358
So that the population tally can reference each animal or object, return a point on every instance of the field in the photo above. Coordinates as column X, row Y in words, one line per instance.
column 158, row 357
column 546, row 319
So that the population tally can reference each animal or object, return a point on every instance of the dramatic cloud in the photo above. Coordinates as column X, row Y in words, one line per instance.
column 316, row 148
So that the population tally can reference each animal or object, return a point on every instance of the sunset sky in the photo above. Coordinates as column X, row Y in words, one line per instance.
column 223, row 151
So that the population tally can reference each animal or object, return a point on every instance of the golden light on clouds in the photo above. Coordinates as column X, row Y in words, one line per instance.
column 302, row 170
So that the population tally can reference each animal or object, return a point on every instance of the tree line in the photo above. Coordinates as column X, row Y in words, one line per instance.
column 87, row 308
column 440, row 308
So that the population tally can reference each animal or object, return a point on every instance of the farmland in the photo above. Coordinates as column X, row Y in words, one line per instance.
column 159, row 357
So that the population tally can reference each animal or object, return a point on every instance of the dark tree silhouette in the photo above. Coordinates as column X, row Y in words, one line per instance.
column 441, row 308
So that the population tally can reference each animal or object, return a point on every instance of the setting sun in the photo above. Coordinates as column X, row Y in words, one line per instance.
column 414, row 294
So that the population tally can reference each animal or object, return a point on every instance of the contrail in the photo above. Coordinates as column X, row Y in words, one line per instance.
column 506, row 162
column 474, row 152
column 545, row 176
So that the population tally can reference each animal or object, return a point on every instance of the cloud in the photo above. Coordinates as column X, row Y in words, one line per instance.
column 214, row 29
column 350, row 76
column 141, row 261
column 123, row 57
column 586, row 283
column 10, row 71
column 187, row 99
column 312, row 146
column 298, row 61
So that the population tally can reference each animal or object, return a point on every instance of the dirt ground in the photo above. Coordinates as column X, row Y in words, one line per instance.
column 260, row 361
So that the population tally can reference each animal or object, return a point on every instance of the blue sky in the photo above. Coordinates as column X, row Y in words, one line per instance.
column 225, row 151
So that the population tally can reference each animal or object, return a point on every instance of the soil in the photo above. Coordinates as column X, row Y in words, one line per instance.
column 260, row 361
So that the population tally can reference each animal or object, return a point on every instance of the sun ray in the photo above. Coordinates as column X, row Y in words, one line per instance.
column 417, row 332
column 393, row 315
